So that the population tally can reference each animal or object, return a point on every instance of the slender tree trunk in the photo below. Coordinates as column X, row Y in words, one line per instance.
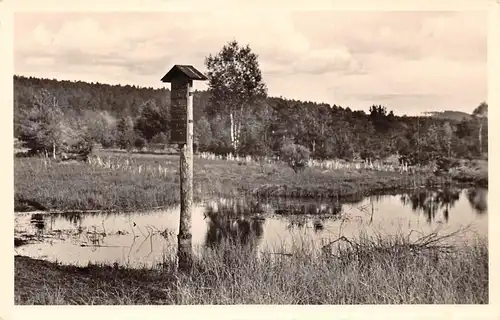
column 235, row 128
column 480, row 137
column 239, row 122
column 54, row 150
column 237, row 135
column 231, row 118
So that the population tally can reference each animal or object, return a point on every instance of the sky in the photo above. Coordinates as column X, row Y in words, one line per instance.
column 408, row 61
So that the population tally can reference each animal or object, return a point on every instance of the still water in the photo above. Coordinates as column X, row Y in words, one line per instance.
column 144, row 238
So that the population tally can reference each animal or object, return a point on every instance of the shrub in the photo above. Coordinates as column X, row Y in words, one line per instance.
column 444, row 164
column 140, row 143
column 108, row 142
column 80, row 150
column 296, row 156
column 367, row 155
column 160, row 138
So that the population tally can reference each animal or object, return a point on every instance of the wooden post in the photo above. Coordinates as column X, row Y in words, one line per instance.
column 184, row 237
column 181, row 132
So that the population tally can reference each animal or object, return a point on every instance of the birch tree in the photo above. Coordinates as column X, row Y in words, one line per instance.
column 126, row 134
column 448, row 137
column 40, row 125
column 480, row 113
column 235, row 85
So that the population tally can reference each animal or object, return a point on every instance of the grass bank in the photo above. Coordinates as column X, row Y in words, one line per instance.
column 369, row 270
column 137, row 182
column 473, row 172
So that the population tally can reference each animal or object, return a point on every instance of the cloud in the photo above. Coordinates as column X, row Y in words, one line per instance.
column 39, row 61
column 164, row 36
column 407, row 35
column 329, row 60
column 393, row 96
column 338, row 57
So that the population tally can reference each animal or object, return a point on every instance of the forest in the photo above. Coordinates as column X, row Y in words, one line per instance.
column 49, row 113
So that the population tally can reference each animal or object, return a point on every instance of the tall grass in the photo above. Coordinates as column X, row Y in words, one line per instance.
column 369, row 270
column 83, row 186
column 147, row 182
column 140, row 181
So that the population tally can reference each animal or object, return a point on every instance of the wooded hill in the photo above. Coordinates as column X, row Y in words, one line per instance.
column 127, row 116
column 450, row 115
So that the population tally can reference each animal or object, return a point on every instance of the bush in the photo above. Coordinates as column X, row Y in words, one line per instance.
column 367, row 155
column 221, row 150
column 444, row 164
column 107, row 142
column 296, row 156
column 140, row 143
column 255, row 148
column 79, row 150
column 160, row 138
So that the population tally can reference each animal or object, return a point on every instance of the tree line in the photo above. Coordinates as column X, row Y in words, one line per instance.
column 234, row 115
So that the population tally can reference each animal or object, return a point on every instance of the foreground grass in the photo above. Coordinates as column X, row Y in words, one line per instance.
column 368, row 271
column 80, row 186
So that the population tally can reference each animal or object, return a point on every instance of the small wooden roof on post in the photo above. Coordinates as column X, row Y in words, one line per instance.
column 181, row 101
column 183, row 71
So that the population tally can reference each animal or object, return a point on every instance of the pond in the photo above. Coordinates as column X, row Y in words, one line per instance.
column 144, row 238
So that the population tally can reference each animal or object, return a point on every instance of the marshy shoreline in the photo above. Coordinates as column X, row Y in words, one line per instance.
column 376, row 274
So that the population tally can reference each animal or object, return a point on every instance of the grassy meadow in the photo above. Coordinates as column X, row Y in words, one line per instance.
column 118, row 181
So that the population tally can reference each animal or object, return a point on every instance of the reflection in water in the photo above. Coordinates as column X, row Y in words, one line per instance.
column 234, row 221
column 478, row 199
column 318, row 225
column 38, row 221
column 431, row 201
column 299, row 214
column 144, row 237
column 75, row 218
column 312, row 208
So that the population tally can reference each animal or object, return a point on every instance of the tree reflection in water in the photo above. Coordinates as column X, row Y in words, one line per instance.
column 74, row 217
column 299, row 214
column 431, row 201
column 313, row 209
column 38, row 221
column 241, row 221
column 478, row 199
column 235, row 221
